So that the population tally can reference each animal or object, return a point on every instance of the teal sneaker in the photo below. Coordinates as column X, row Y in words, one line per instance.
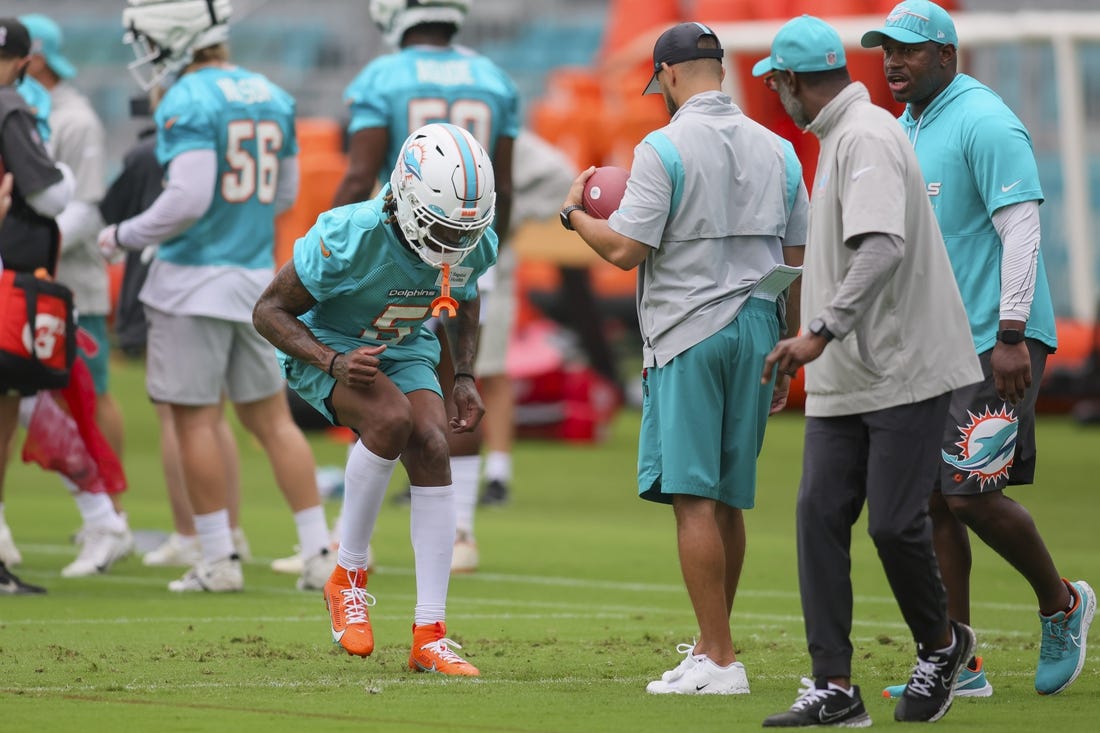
column 972, row 683
column 1062, row 650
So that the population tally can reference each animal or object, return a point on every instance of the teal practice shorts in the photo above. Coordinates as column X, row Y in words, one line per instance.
column 410, row 373
column 704, row 414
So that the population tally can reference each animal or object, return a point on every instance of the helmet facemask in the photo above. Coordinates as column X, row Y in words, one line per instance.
column 164, row 34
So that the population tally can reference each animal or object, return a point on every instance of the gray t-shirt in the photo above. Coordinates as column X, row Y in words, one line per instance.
column 77, row 139
column 717, row 196
column 913, row 340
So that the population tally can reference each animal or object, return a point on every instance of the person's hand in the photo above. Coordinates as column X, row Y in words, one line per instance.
column 790, row 354
column 108, row 242
column 780, row 392
column 470, row 407
column 576, row 191
column 1011, row 371
column 358, row 367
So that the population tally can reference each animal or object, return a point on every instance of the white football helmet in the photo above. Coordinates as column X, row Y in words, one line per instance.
column 444, row 189
column 394, row 17
column 165, row 33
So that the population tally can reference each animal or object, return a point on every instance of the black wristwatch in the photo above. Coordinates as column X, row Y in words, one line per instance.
column 565, row 215
column 1010, row 336
column 818, row 328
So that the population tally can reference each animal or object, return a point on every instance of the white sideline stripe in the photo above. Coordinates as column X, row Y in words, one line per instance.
column 496, row 578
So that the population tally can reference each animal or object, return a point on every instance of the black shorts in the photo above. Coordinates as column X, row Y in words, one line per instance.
column 987, row 443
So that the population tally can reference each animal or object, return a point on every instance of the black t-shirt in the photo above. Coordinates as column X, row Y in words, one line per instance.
column 135, row 190
column 28, row 240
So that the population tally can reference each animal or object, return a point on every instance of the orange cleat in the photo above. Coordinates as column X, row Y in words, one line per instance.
column 431, row 652
column 347, row 601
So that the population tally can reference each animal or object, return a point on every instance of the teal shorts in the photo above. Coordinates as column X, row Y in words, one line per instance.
column 409, row 369
column 96, row 350
column 704, row 414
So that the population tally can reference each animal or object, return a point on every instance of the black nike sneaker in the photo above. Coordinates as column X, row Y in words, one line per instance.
column 11, row 585
column 818, row 704
column 931, row 687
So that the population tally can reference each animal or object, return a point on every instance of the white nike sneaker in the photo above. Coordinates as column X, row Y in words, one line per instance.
column 698, row 675
column 292, row 564
column 223, row 576
column 240, row 545
column 101, row 549
column 177, row 550
column 9, row 553
column 316, row 570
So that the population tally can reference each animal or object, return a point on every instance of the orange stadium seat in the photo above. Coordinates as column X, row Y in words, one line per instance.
column 321, row 163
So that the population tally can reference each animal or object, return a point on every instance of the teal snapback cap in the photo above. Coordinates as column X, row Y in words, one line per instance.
column 913, row 22
column 803, row 44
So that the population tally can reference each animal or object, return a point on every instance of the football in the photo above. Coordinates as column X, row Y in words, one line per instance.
column 604, row 190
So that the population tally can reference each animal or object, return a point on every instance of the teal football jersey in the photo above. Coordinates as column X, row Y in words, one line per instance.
column 419, row 85
column 372, row 289
column 249, row 123
column 976, row 157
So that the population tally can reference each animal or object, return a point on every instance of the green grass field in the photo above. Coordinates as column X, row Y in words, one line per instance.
column 577, row 605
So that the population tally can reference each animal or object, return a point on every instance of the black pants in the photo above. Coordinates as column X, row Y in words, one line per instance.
column 890, row 459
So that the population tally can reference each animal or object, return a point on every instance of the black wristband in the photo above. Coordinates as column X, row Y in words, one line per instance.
column 332, row 363
column 464, row 374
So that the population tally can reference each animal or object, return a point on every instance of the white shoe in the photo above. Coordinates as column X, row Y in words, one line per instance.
column 223, row 576
column 240, row 545
column 289, row 565
column 177, row 550
column 292, row 564
column 698, row 675
column 464, row 558
column 316, row 570
column 9, row 553
column 102, row 548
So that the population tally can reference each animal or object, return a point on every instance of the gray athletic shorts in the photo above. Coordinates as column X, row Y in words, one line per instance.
column 988, row 443
column 193, row 360
column 498, row 315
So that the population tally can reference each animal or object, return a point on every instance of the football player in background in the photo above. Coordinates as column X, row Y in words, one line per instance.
column 430, row 79
column 226, row 136
column 348, row 314
column 77, row 139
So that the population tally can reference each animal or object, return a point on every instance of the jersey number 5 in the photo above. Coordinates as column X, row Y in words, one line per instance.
column 250, row 173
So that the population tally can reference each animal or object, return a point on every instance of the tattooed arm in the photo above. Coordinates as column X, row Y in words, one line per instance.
column 276, row 318
column 466, row 398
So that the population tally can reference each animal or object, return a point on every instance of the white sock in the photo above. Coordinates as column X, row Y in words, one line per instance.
column 97, row 511
column 365, row 480
column 432, row 528
column 498, row 466
column 312, row 530
column 849, row 692
column 2, row 521
column 464, row 480
column 215, row 537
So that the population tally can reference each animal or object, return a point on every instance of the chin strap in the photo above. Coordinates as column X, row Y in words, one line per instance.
column 445, row 302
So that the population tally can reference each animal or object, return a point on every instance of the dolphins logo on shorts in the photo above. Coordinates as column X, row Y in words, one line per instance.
column 988, row 445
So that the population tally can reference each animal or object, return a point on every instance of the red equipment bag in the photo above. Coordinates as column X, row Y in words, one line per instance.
column 37, row 332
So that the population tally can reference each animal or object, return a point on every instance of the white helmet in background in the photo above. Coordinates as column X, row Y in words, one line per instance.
column 445, row 193
column 165, row 33
column 394, row 17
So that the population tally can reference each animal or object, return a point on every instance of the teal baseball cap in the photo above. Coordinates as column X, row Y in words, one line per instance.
column 914, row 21
column 46, row 39
column 803, row 44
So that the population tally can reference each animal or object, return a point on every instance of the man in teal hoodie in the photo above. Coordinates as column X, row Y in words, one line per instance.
column 983, row 182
